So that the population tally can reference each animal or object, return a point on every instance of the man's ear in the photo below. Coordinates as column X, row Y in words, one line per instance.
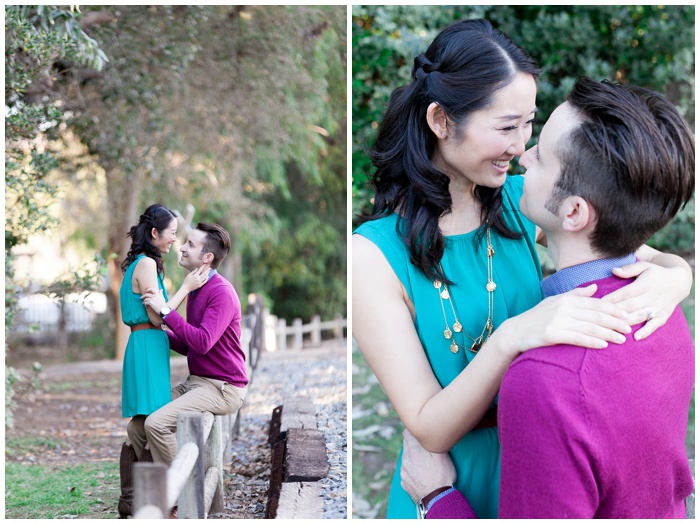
column 437, row 120
column 578, row 214
column 208, row 258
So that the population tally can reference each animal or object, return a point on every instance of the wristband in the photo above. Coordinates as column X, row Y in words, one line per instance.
column 433, row 496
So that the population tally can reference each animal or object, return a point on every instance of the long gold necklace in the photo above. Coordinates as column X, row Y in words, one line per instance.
column 457, row 327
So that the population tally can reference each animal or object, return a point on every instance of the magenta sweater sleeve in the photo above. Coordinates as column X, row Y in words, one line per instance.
column 175, row 343
column 217, row 315
column 453, row 505
column 548, row 455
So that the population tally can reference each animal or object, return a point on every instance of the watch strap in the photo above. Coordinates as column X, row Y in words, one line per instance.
column 424, row 504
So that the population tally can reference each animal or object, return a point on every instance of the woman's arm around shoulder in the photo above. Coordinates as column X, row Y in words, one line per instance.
column 663, row 280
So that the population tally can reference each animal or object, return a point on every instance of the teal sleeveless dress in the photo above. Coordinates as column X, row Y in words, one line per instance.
column 146, row 366
column 517, row 273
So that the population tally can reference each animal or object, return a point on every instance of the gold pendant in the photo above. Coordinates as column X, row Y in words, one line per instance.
column 454, row 347
column 491, row 286
column 457, row 327
column 445, row 294
column 447, row 333
column 437, row 284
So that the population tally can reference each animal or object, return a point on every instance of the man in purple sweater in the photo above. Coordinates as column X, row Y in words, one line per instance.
column 594, row 433
column 211, row 340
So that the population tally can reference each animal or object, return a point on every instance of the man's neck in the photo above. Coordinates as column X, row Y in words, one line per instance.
column 570, row 250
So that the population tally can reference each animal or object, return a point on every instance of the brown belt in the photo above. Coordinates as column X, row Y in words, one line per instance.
column 489, row 419
column 145, row 325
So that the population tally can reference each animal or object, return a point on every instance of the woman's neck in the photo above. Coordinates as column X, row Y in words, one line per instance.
column 465, row 215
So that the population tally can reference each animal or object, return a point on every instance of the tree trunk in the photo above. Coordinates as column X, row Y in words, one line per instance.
column 123, row 194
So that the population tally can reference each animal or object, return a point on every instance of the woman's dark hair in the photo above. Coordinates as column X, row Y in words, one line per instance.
column 156, row 216
column 461, row 70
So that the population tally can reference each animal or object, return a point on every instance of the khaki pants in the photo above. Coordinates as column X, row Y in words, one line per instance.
column 197, row 394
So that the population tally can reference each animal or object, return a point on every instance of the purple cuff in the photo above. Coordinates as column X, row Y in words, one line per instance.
column 453, row 505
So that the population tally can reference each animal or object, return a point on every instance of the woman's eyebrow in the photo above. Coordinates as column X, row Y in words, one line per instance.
column 514, row 117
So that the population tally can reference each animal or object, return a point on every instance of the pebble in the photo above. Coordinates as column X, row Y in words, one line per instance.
column 322, row 377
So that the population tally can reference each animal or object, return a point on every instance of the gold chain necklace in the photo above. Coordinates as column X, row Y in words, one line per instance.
column 457, row 326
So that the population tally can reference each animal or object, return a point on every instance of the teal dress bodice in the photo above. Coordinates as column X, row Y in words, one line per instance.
column 517, row 273
column 146, row 366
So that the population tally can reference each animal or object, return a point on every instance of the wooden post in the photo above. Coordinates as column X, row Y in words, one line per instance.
column 339, row 328
column 179, row 471
column 190, row 428
column 226, row 431
column 150, row 487
column 282, row 334
column 256, row 310
column 213, row 456
column 315, row 331
column 246, row 337
column 298, row 335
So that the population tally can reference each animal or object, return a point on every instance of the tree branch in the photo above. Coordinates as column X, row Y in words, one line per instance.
column 97, row 17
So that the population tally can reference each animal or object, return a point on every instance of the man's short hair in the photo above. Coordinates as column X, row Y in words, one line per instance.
column 632, row 158
column 217, row 242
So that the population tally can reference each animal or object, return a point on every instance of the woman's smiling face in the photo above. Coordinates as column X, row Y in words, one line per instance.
column 481, row 153
column 162, row 240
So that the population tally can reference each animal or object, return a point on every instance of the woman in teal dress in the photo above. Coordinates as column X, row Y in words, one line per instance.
column 445, row 272
column 146, row 365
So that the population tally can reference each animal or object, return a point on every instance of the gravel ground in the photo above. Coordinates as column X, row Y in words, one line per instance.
column 318, row 374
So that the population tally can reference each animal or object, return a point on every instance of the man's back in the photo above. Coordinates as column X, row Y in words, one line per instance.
column 598, row 433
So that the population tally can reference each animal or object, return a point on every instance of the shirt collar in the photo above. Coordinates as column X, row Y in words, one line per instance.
column 571, row 277
column 212, row 272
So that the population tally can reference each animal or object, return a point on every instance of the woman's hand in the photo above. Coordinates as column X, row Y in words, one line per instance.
column 652, row 297
column 422, row 472
column 153, row 298
column 570, row 318
column 196, row 278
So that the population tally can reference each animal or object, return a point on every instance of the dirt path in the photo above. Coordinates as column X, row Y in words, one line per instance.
column 75, row 410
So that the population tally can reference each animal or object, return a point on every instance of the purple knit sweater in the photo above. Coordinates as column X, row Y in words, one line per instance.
column 211, row 335
column 595, row 433
column 598, row 433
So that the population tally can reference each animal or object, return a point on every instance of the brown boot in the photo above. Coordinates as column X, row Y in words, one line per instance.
column 146, row 455
column 126, row 499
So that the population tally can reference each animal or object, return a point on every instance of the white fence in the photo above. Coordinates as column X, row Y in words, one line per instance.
column 39, row 313
column 297, row 331
column 194, row 481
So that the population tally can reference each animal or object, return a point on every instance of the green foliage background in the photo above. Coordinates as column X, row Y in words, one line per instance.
column 651, row 46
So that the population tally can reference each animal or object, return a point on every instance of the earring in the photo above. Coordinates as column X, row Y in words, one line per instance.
column 443, row 135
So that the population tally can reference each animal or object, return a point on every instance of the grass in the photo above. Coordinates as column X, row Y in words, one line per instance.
column 44, row 492
column 29, row 445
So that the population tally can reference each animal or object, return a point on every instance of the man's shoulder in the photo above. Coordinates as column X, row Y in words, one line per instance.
column 220, row 286
column 540, row 375
column 561, row 357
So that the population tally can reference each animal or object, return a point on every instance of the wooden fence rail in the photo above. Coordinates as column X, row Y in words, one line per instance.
column 297, row 330
column 194, row 481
